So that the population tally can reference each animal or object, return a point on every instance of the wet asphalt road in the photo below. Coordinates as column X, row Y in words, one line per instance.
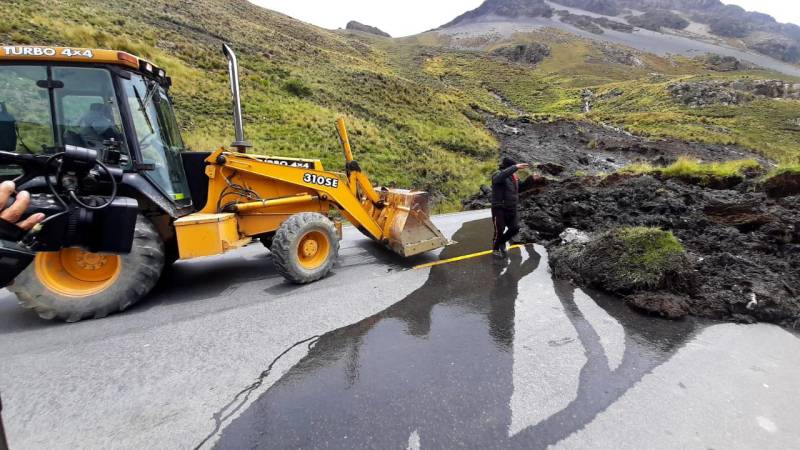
column 474, row 354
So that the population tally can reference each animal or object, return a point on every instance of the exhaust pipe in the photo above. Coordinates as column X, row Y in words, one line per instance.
column 233, row 73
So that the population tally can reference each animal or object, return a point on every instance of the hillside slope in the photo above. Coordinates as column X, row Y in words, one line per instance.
column 296, row 79
column 417, row 106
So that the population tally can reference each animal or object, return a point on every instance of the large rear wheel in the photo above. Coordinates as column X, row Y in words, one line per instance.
column 305, row 247
column 73, row 284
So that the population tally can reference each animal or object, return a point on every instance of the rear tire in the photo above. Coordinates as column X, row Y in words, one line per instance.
column 305, row 247
column 72, row 285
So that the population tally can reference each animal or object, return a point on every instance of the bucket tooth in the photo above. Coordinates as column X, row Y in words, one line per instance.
column 410, row 231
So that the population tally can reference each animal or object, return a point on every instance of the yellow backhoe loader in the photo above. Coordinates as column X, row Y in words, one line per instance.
column 93, row 134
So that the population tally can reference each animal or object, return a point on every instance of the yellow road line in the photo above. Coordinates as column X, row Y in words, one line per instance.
column 461, row 258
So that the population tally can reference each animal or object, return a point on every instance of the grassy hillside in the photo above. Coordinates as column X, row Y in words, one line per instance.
column 412, row 104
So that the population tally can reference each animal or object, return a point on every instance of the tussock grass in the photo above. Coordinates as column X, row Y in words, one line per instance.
column 686, row 167
column 783, row 169
column 646, row 253
column 624, row 260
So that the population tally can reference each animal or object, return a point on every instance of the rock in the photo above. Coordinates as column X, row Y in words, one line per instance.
column 704, row 93
column 573, row 236
column 719, row 63
column 505, row 8
column 524, row 53
column 583, row 22
column 613, row 25
column 663, row 304
column 724, row 26
column 621, row 55
column 657, row 19
column 778, row 47
column 358, row 26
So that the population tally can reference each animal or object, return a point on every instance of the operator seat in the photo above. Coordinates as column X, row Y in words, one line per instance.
column 98, row 125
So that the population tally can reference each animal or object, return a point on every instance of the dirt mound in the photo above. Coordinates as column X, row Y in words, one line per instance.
column 626, row 260
column 741, row 235
column 746, row 245
column 783, row 185
column 590, row 148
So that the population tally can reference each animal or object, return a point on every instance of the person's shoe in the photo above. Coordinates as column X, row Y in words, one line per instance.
column 498, row 254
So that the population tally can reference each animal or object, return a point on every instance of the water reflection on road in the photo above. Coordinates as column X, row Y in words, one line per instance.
column 485, row 354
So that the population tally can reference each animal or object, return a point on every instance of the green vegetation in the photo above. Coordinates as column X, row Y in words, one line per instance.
column 646, row 254
column 414, row 105
column 625, row 260
column 783, row 169
column 692, row 169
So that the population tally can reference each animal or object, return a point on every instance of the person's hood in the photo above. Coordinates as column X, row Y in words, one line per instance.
column 507, row 162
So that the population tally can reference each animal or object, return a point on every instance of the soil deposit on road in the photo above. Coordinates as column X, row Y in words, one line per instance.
column 738, row 238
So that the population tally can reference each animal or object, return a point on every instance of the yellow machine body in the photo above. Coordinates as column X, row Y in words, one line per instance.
column 208, row 234
column 276, row 189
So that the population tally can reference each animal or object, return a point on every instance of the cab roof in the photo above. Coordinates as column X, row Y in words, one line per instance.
column 78, row 55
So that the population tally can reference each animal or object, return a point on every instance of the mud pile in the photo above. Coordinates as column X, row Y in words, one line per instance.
column 742, row 240
column 744, row 246
column 590, row 148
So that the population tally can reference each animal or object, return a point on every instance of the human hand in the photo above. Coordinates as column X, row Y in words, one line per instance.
column 523, row 166
column 14, row 212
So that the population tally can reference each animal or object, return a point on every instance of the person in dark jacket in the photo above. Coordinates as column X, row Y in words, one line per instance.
column 505, row 198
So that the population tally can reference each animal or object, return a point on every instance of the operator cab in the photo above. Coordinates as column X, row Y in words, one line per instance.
column 110, row 102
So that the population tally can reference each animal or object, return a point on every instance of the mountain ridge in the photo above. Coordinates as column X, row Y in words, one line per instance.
column 755, row 31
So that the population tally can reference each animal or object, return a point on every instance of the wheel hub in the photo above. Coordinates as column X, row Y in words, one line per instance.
column 313, row 250
column 310, row 248
column 76, row 273
column 90, row 261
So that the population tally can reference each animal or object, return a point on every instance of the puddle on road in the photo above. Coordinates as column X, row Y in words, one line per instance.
column 484, row 354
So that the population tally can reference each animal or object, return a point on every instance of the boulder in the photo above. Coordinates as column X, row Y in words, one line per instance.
column 524, row 53
column 719, row 63
column 655, row 20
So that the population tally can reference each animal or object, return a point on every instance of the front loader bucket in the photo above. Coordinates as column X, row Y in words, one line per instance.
column 411, row 231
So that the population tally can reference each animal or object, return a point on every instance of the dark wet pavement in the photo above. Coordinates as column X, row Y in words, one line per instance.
column 437, row 369
column 461, row 355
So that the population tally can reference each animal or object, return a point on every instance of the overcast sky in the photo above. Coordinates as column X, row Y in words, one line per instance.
column 407, row 17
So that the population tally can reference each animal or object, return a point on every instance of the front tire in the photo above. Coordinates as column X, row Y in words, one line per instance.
column 73, row 284
column 305, row 247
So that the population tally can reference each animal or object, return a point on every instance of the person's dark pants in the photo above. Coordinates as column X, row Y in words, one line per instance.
column 506, row 225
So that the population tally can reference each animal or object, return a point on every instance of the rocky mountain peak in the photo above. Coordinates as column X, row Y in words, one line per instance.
column 759, row 32
column 358, row 26
column 511, row 9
